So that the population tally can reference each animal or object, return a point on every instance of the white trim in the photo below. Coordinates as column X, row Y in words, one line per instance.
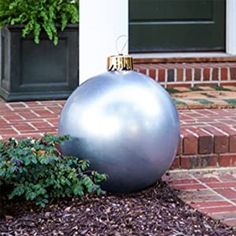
column 231, row 26
column 180, row 55
column 101, row 23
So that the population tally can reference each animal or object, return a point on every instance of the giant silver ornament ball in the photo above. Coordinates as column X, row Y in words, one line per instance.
column 126, row 125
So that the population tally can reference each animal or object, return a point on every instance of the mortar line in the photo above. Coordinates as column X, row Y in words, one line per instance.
column 211, row 189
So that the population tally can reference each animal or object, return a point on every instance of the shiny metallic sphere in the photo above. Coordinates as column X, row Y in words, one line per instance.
column 126, row 125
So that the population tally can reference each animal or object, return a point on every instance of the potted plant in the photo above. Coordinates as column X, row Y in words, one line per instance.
column 39, row 49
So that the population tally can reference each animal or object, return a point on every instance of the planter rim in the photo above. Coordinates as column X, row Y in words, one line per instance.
column 20, row 26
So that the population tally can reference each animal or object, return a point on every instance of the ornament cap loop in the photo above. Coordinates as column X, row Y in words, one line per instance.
column 119, row 63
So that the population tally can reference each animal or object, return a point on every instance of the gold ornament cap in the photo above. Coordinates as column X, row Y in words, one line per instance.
column 119, row 63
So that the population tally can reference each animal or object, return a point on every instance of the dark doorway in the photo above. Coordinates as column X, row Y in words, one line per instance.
column 177, row 25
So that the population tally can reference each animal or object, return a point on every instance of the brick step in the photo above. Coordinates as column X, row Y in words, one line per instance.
column 172, row 72
column 208, row 139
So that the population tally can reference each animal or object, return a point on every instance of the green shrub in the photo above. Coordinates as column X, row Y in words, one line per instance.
column 38, row 15
column 37, row 171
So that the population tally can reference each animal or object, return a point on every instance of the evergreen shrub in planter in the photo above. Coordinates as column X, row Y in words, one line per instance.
column 39, row 49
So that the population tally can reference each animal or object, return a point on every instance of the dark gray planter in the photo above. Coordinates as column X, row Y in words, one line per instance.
column 38, row 72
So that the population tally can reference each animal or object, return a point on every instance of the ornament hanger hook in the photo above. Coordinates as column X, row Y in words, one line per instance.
column 121, row 44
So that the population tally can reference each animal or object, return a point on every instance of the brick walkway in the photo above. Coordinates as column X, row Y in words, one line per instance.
column 208, row 139
column 211, row 192
column 24, row 119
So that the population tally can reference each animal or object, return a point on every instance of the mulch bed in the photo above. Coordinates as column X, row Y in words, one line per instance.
column 155, row 211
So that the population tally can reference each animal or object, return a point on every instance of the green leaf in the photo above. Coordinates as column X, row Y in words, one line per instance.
column 37, row 15
column 78, row 190
column 18, row 191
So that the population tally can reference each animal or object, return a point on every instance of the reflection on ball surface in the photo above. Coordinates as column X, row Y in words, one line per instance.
column 126, row 125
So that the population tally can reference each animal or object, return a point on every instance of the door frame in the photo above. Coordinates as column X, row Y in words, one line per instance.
column 230, row 27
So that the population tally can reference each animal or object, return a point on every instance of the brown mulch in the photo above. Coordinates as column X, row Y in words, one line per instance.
column 155, row 211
